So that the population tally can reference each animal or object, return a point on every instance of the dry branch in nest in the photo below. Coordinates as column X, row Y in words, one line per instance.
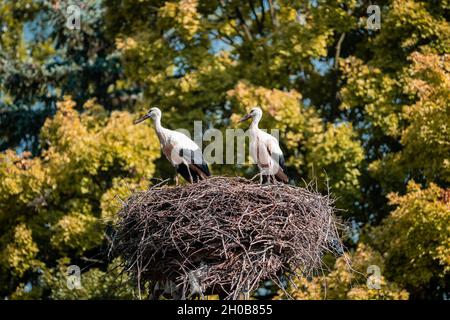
column 225, row 234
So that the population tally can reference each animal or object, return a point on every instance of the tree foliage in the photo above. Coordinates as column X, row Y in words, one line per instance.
column 41, row 60
column 55, row 206
column 414, row 239
column 347, row 283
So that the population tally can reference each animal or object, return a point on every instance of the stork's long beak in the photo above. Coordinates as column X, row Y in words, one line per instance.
column 246, row 117
column 143, row 118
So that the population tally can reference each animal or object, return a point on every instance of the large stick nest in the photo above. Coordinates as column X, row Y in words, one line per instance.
column 225, row 234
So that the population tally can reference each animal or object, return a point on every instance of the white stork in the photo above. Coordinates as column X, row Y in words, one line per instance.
column 180, row 150
column 265, row 150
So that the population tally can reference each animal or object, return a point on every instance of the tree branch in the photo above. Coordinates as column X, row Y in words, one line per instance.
column 258, row 23
column 223, row 37
column 338, row 51
column 273, row 14
column 244, row 24
column 263, row 14
column 229, row 17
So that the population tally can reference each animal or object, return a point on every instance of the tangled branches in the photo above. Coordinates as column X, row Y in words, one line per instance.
column 225, row 234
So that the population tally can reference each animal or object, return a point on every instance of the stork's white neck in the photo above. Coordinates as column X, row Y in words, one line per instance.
column 160, row 130
column 255, row 121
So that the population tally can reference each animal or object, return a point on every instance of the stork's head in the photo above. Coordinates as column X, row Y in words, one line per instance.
column 255, row 113
column 153, row 113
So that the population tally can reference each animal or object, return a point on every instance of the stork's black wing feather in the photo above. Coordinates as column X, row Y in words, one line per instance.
column 281, row 161
column 183, row 170
column 281, row 174
column 196, row 165
column 278, row 157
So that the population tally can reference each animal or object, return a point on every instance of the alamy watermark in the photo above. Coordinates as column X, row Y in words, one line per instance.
column 374, row 19
column 73, row 17
column 374, row 279
column 73, row 280
column 225, row 147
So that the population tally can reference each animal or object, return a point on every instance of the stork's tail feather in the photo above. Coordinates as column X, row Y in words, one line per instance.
column 281, row 176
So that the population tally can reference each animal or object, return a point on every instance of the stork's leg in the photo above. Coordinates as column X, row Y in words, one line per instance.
column 156, row 292
column 265, row 177
column 260, row 178
column 176, row 177
column 190, row 175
